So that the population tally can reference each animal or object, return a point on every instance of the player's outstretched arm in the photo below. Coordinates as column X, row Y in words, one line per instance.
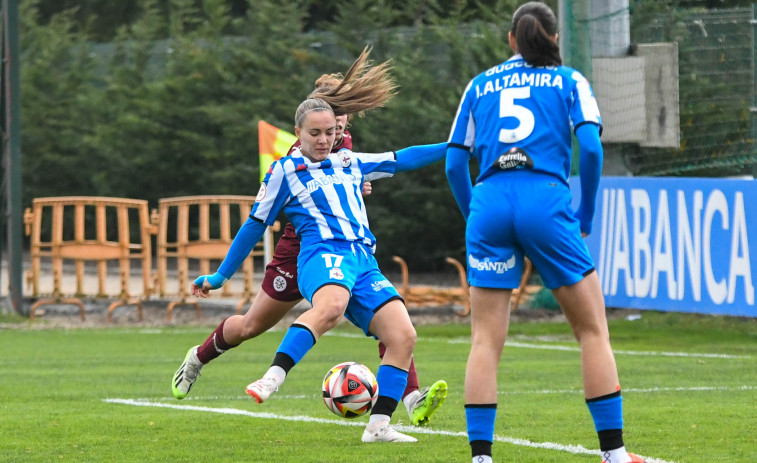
column 590, row 169
column 458, row 176
column 248, row 235
column 415, row 157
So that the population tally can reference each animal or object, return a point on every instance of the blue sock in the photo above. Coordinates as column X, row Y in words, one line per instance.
column 296, row 343
column 480, row 419
column 392, row 382
column 607, row 411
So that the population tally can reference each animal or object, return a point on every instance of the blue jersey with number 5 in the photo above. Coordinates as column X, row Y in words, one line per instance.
column 537, row 107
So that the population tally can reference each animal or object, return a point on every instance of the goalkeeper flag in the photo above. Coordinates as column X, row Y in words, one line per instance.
column 273, row 144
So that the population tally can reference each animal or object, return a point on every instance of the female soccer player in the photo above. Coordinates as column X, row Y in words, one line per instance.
column 516, row 119
column 320, row 192
column 280, row 293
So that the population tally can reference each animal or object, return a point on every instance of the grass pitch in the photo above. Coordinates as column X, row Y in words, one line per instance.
column 103, row 395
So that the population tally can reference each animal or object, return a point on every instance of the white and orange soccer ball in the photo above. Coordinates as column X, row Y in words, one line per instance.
column 350, row 389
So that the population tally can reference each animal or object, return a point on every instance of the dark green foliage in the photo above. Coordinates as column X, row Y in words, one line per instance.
column 170, row 107
column 544, row 299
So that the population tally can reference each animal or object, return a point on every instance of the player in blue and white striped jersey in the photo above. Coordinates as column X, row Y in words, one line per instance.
column 320, row 192
column 323, row 199
column 516, row 119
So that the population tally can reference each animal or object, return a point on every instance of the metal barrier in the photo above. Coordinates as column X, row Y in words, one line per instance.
column 201, row 228
column 121, row 233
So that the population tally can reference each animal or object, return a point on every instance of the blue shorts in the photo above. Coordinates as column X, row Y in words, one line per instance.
column 513, row 214
column 349, row 265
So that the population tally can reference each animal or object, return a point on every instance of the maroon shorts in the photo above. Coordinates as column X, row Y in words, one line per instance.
column 280, row 279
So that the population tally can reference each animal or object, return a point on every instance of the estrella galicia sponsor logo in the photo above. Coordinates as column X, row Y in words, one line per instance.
column 515, row 158
column 381, row 284
column 489, row 265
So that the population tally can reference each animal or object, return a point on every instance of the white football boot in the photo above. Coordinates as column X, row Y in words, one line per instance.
column 187, row 374
column 383, row 432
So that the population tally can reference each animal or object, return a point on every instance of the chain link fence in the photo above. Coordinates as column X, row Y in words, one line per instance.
column 715, row 92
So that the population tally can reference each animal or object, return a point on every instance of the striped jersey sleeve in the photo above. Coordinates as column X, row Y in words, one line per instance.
column 463, row 132
column 584, row 108
column 322, row 199
column 377, row 165
column 273, row 195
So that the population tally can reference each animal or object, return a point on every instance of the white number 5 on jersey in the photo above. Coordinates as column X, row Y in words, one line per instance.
column 508, row 108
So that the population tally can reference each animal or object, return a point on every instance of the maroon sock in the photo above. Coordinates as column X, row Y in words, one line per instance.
column 412, row 375
column 214, row 346
column 412, row 379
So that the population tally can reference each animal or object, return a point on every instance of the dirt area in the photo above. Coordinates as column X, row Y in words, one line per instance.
column 213, row 311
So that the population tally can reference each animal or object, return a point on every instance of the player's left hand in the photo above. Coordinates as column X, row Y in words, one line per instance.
column 367, row 188
column 204, row 283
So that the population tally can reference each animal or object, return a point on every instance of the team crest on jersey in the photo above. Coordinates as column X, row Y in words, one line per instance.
column 345, row 158
column 279, row 283
column 261, row 192
column 336, row 274
column 515, row 158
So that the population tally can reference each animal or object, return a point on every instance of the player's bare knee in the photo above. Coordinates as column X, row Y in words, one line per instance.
column 402, row 340
column 591, row 333
column 330, row 313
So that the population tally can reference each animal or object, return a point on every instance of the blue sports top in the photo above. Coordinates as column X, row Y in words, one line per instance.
column 537, row 108
column 322, row 199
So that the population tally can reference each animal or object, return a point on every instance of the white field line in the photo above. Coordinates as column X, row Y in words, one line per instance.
column 574, row 449
column 650, row 390
column 510, row 343
column 565, row 348
column 639, row 390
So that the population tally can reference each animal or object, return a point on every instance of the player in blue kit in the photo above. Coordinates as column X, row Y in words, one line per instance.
column 320, row 192
column 516, row 120
column 280, row 293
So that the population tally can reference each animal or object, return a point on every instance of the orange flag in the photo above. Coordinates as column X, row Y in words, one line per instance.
column 273, row 144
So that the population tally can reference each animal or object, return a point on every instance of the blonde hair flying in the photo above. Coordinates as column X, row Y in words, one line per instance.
column 363, row 86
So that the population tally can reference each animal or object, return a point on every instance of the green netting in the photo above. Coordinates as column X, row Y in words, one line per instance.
column 716, row 85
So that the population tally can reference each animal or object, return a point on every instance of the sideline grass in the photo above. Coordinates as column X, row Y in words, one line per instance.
column 690, row 387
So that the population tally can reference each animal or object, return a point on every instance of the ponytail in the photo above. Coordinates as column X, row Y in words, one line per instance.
column 534, row 25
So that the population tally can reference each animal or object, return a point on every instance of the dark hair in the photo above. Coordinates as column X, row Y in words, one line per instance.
column 534, row 24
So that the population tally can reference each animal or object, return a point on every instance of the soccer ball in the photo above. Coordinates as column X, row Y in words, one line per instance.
column 350, row 390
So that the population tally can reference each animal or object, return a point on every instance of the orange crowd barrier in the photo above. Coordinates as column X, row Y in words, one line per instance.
column 89, row 233
column 199, row 229
column 104, row 230
column 429, row 295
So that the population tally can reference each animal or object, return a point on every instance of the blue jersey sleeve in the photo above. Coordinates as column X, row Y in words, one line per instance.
column 247, row 237
column 458, row 175
column 590, row 169
column 419, row 156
